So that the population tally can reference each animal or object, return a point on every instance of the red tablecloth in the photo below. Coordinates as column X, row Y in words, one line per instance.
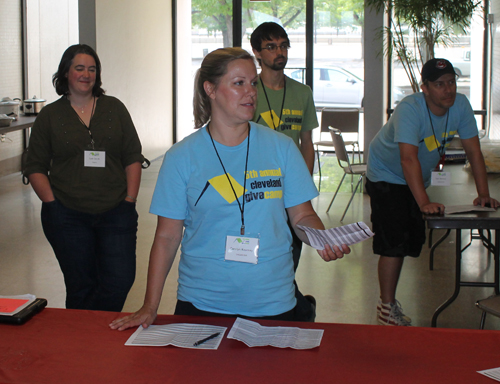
column 70, row 346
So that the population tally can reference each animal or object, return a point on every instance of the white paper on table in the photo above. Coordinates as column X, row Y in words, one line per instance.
column 31, row 298
column 450, row 209
column 182, row 335
column 348, row 234
column 491, row 373
column 255, row 335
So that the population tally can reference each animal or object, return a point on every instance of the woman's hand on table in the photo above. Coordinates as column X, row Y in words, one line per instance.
column 144, row 316
column 486, row 202
column 334, row 252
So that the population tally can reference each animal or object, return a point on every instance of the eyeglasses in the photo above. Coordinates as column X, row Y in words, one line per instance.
column 274, row 47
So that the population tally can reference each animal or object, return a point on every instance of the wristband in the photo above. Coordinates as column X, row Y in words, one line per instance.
column 132, row 198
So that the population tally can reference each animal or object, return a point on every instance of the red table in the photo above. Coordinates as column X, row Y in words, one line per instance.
column 70, row 346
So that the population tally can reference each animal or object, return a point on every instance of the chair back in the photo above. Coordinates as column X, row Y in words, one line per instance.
column 347, row 120
column 340, row 151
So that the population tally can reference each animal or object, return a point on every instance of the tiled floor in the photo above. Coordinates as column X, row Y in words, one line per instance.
column 346, row 290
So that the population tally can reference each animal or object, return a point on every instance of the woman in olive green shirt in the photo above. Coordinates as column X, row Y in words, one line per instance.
column 84, row 163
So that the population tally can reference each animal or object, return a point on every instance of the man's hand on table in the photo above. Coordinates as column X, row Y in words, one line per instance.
column 486, row 202
column 432, row 209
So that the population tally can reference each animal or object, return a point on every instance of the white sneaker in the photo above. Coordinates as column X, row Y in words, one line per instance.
column 392, row 314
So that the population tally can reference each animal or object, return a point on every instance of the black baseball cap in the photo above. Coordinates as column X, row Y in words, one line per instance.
column 435, row 68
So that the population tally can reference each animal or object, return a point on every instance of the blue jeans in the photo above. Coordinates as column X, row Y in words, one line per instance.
column 96, row 253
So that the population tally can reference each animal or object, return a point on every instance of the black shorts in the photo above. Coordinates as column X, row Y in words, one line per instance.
column 397, row 222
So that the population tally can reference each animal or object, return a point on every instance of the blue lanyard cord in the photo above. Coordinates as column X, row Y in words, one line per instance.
column 242, row 208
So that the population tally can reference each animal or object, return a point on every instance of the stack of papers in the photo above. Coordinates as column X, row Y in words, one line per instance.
column 348, row 234
column 491, row 373
column 255, row 335
column 202, row 336
column 183, row 335
column 10, row 305
column 450, row 209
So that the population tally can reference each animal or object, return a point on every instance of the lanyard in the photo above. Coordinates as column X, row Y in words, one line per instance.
column 92, row 142
column 242, row 208
column 441, row 149
column 269, row 104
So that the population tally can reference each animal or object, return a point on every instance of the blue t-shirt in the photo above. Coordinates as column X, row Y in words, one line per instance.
column 411, row 124
column 193, row 187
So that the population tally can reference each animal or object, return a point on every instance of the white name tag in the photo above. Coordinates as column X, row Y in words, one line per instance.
column 441, row 179
column 244, row 249
column 95, row 158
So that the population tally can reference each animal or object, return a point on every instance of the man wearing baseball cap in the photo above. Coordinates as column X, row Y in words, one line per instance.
column 402, row 157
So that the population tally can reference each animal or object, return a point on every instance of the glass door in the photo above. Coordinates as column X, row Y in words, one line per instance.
column 291, row 15
column 201, row 27
column 338, row 54
column 205, row 25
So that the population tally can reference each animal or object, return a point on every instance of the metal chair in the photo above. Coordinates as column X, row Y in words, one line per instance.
column 347, row 120
column 490, row 305
column 349, row 169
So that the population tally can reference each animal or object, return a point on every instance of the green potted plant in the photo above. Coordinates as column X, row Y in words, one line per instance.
column 418, row 26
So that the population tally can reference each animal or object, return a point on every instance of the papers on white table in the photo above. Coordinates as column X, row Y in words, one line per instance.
column 256, row 335
column 450, row 209
column 10, row 305
column 182, row 335
column 347, row 234
column 491, row 373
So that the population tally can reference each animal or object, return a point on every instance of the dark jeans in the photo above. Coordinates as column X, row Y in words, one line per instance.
column 96, row 253
column 188, row 309
column 304, row 310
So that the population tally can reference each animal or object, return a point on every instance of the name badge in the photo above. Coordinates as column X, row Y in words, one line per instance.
column 441, row 179
column 95, row 158
column 244, row 249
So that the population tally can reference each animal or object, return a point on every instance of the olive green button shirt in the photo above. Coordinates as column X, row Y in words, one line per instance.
column 57, row 144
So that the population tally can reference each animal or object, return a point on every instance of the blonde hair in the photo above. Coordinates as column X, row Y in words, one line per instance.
column 213, row 67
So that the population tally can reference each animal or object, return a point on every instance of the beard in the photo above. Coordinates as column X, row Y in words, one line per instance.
column 278, row 65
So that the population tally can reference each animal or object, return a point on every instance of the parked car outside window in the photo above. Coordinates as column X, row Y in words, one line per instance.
column 336, row 86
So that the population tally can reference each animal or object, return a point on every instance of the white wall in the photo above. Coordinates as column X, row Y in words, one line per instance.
column 11, row 80
column 134, row 44
column 52, row 27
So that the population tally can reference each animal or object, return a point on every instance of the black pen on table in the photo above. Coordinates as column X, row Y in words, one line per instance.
column 199, row 342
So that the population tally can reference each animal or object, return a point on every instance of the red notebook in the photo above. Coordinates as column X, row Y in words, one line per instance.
column 25, row 314
column 10, row 305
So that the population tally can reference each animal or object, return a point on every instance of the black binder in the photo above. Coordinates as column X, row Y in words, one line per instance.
column 27, row 313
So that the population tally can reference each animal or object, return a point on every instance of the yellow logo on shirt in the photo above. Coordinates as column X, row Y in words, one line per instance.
column 272, row 119
column 259, row 190
column 221, row 185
